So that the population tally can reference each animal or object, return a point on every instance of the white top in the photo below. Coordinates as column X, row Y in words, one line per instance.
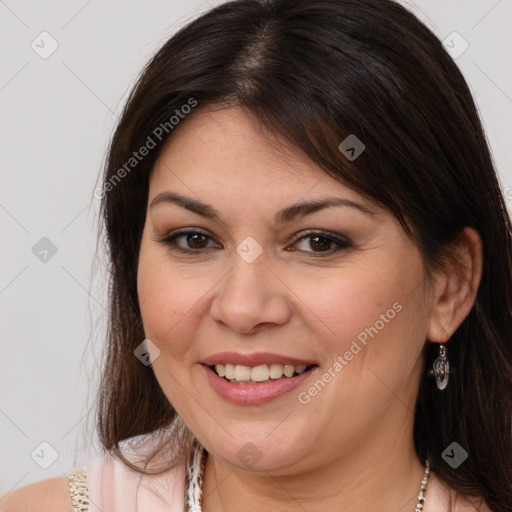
column 107, row 484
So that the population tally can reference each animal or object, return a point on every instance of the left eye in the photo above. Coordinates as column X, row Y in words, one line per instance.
column 322, row 243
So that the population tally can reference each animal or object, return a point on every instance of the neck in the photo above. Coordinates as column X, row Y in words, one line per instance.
column 377, row 474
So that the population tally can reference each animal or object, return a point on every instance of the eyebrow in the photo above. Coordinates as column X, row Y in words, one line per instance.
column 285, row 215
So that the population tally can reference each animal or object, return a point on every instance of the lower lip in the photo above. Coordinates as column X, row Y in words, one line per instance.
column 255, row 394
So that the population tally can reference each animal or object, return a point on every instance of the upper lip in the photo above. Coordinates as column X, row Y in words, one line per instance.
column 254, row 359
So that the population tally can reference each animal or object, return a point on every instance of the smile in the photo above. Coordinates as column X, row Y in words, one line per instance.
column 244, row 390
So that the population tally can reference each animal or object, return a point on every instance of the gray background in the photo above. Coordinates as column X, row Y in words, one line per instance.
column 57, row 116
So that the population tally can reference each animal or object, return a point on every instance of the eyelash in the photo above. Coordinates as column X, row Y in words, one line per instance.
column 169, row 241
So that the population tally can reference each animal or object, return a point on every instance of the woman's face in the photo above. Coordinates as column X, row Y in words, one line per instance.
column 255, row 280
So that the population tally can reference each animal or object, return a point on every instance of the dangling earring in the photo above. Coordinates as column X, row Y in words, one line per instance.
column 441, row 368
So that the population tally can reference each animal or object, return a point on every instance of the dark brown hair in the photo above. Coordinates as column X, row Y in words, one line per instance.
column 314, row 72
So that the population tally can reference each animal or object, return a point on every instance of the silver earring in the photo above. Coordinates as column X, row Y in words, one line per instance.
column 441, row 369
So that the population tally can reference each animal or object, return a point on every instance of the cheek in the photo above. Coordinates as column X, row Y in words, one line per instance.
column 163, row 300
column 370, row 324
column 377, row 306
column 174, row 301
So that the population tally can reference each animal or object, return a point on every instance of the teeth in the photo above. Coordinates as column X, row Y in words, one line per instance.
column 260, row 373
column 229, row 371
column 242, row 372
column 288, row 370
column 276, row 371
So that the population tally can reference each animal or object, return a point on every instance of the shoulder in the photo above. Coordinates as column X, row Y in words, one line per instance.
column 110, row 484
column 50, row 495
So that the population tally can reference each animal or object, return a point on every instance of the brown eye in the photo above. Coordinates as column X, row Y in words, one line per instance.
column 319, row 243
column 196, row 241
column 187, row 241
column 322, row 243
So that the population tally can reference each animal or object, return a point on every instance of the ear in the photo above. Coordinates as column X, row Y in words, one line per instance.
column 456, row 286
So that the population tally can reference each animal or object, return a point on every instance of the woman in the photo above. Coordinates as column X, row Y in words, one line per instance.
column 310, row 275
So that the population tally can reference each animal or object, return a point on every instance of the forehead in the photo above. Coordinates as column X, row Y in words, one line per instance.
column 228, row 149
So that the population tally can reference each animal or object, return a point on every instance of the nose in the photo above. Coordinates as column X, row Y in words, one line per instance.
column 251, row 298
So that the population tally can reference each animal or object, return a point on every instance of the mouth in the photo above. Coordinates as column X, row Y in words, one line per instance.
column 260, row 374
column 259, row 383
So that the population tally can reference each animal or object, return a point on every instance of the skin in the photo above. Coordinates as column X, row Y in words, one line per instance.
column 351, row 446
